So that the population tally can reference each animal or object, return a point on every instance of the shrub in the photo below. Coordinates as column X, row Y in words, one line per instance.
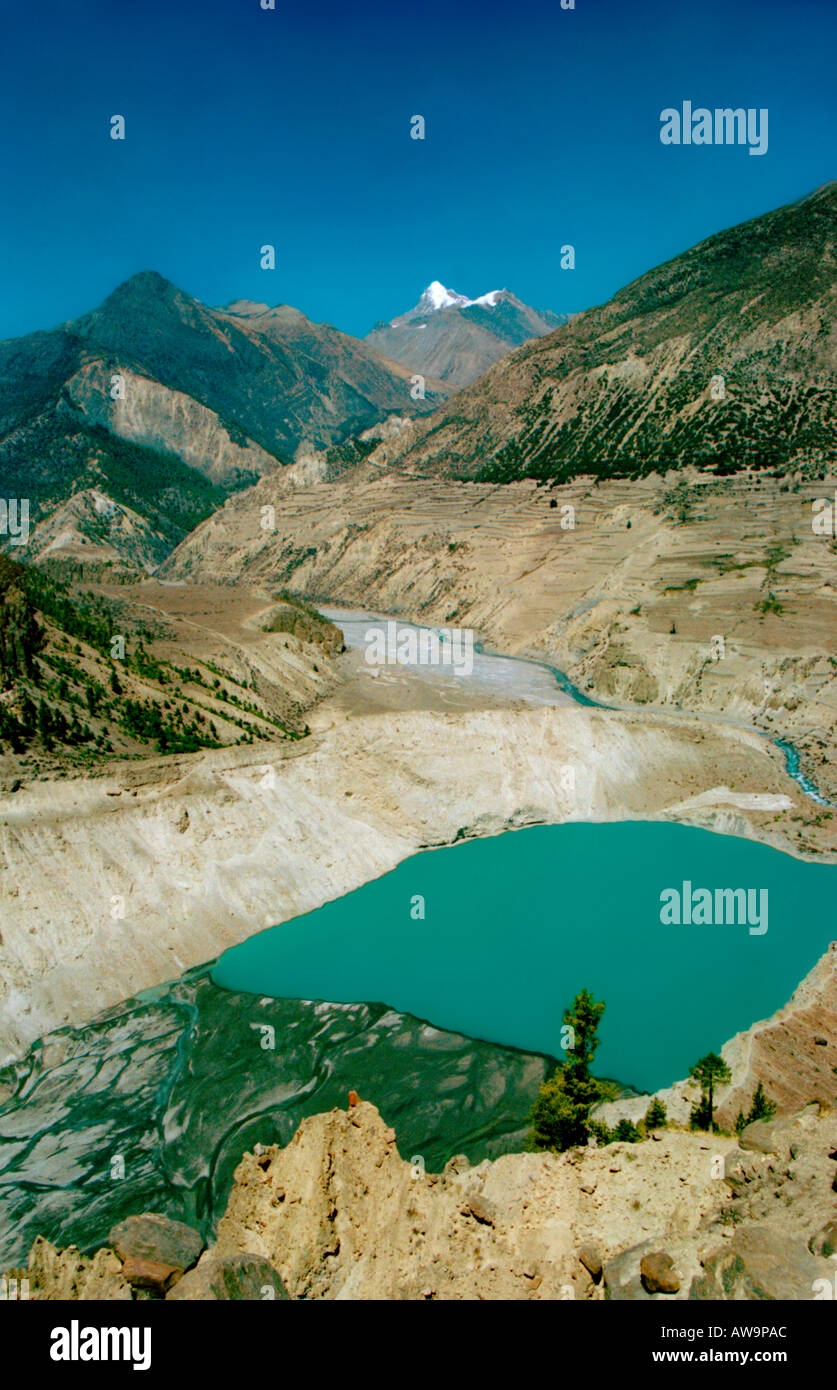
column 655, row 1115
column 626, row 1132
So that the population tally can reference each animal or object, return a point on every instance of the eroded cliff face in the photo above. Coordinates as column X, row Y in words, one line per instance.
column 161, row 418
column 796, row 1048
column 793, row 1054
column 204, row 850
column 338, row 1214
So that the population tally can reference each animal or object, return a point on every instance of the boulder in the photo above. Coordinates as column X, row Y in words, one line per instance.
column 740, row 1169
column 152, row 1275
column 591, row 1257
column 458, row 1164
column 658, row 1273
column 762, row 1137
column 157, row 1239
column 622, row 1278
column 481, row 1209
column 231, row 1277
column 760, row 1263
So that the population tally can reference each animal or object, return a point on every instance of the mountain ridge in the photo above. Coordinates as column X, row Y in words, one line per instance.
column 187, row 398
column 455, row 339
column 724, row 356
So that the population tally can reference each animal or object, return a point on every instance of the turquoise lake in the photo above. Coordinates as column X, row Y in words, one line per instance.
column 516, row 925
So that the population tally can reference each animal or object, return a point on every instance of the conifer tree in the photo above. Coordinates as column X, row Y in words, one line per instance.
column 561, row 1113
column 707, row 1071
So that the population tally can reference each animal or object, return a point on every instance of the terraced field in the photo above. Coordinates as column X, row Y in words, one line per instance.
column 709, row 594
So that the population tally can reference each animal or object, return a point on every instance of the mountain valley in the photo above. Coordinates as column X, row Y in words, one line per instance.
column 192, row 750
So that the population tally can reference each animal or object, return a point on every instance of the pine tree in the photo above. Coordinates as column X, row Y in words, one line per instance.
column 761, row 1107
column 28, row 716
column 561, row 1113
column 707, row 1071
column 627, row 1132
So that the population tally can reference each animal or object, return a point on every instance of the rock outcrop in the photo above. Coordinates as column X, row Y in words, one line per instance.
column 338, row 1214
column 232, row 1277
column 58, row 1275
column 793, row 1054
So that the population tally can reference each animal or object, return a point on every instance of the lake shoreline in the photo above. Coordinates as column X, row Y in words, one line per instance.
column 434, row 937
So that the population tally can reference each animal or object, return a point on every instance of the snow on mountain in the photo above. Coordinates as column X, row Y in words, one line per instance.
column 455, row 339
column 437, row 296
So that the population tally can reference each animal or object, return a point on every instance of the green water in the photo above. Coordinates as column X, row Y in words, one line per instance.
column 516, row 925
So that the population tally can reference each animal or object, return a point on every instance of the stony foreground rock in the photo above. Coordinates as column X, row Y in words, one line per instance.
column 338, row 1214
column 761, row 1264
column 65, row 1274
column 658, row 1273
column 239, row 1277
column 158, row 1239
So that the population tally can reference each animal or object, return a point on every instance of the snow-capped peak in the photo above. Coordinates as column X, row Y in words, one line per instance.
column 437, row 296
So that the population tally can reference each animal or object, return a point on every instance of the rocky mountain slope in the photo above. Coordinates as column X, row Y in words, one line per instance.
column 455, row 339
column 164, row 406
column 98, row 503
column 338, row 1214
column 84, row 678
column 724, row 357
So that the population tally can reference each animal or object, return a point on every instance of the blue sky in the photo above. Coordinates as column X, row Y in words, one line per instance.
column 292, row 127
